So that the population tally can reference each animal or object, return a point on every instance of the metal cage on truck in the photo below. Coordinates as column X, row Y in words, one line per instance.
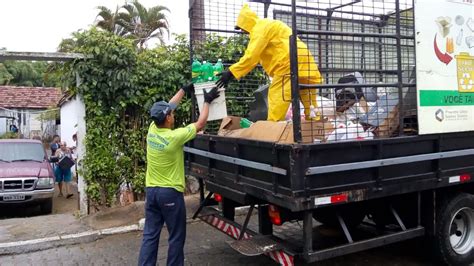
column 386, row 176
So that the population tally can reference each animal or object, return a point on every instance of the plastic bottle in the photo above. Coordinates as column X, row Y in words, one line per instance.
column 218, row 68
column 196, row 71
column 245, row 123
column 207, row 71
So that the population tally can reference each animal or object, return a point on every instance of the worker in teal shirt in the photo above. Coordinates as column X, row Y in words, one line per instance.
column 165, row 179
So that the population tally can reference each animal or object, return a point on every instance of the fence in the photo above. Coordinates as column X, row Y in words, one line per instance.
column 364, row 50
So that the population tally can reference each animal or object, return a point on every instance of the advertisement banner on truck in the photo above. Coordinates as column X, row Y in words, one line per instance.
column 445, row 65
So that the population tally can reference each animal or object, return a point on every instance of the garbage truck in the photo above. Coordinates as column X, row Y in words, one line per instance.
column 389, row 156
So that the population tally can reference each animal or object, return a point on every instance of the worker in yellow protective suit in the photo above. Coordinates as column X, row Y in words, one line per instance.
column 269, row 46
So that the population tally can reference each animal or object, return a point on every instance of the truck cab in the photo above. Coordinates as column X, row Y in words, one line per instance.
column 26, row 175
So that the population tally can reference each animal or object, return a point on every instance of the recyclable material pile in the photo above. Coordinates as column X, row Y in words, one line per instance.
column 359, row 113
column 346, row 114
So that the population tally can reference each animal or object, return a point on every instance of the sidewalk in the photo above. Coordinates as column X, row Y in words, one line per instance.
column 19, row 235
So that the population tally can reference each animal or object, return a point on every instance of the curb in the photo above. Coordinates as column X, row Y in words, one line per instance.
column 19, row 247
column 25, row 246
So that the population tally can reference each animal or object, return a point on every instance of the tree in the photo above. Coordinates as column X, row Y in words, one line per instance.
column 23, row 73
column 120, row 83
column 110, row 21
column 143, row 24
column 5, row 76
column 135, row 21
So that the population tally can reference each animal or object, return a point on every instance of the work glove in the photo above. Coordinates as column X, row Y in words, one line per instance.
column 211, row 95
column 225, row 77
column 188, row 88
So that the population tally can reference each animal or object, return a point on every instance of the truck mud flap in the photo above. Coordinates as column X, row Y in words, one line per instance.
column 232, row 229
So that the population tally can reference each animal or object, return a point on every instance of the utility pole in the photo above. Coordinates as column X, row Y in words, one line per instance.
column 197, row 20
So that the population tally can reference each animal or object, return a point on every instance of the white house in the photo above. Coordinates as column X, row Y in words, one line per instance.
column 23, row 107
column 70, row 108
column 73, row 112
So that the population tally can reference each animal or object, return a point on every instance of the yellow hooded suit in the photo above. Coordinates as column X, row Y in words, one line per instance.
column 269, row 46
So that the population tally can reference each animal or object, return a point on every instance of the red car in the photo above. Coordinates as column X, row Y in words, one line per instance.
column 26, row 175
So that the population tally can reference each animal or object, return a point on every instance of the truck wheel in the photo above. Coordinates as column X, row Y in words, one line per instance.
column 454, row 240
column 352, row 216
column 47, row 207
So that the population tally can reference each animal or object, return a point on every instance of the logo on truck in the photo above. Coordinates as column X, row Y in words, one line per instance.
column 439, row 115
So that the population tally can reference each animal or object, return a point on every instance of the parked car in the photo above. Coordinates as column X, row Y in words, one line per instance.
column 26, row 175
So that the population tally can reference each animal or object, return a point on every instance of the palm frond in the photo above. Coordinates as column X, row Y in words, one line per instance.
column 104, row 13
column 142, row 12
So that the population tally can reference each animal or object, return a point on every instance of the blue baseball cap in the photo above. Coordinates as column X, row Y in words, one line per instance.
column 160, row 110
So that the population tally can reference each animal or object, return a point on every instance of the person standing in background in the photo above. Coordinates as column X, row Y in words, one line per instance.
column 54, row 145
column 63, row 176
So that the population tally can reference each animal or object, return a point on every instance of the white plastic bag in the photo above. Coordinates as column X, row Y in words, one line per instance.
column 326, row 107
column 349, row 131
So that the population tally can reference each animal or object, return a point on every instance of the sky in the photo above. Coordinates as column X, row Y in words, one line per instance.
column 40, row 25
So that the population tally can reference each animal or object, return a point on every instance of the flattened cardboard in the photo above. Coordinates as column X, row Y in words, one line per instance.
column 264, row 130
column 311, row 131
column 389, row 125
column 230, row 123
column 281, row 132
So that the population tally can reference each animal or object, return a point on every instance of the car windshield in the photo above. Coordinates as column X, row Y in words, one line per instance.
column 16, row 151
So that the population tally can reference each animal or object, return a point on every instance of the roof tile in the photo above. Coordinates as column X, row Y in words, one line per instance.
column 29, row 97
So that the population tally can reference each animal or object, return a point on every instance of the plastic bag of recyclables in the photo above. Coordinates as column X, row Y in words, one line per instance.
column 346, row 127
column 376, row 112
column 325, row 106
column 349, row 131
column 372, row 114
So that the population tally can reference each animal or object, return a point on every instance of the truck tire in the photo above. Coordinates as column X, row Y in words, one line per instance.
column 47, row 206
column 454, row 239
column 352, row 216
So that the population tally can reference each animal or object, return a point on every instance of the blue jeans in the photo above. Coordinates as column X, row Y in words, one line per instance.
column 163, row 205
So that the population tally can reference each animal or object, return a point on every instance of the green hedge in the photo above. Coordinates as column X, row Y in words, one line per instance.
column 119, row 84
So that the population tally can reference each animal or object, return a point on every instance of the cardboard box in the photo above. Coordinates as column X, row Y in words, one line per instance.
column 314, row 131
column 280, row 132
column 389, row 125
column 230, row 123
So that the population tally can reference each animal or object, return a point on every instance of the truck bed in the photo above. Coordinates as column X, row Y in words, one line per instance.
column 295, row 176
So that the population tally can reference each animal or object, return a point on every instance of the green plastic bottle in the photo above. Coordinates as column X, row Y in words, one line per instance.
column 207, row 71
column 196, row 71
column 218, row 68
column 245, row 123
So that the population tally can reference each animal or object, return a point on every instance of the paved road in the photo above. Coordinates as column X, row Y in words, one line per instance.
column 204, row 246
